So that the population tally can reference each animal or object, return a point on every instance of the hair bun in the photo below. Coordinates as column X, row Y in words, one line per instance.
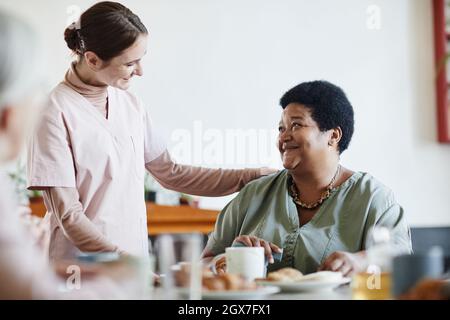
column 71, row 38
column 107, row 29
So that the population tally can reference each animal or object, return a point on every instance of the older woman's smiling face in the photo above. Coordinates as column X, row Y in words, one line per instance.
column 300, row 139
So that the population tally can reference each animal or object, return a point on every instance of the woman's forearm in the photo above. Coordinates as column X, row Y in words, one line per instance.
column 197, row 180
column 64, row 204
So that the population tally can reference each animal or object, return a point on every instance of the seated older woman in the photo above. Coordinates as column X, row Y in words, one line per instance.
column 316, row 210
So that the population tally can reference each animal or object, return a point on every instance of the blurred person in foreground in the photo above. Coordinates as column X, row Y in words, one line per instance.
column 24, row 270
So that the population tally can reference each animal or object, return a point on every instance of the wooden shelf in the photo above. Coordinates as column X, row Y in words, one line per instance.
column 165, row 219
column 179, row 219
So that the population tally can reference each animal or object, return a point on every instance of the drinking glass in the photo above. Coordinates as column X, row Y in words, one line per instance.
column 179, row 264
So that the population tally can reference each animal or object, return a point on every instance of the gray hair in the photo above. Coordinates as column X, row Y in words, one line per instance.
column 19, row 59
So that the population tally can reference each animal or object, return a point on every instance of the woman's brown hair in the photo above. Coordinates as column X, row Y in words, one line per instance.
column 107, row 28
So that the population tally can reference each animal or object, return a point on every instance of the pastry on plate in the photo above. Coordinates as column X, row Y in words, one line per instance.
column 293, row 275
column 325, row 276
column 227, row 281
column 285, row 275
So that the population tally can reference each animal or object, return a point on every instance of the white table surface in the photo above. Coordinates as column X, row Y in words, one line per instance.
column 341, row 293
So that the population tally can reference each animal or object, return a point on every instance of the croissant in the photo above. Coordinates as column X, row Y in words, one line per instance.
column 285, row 274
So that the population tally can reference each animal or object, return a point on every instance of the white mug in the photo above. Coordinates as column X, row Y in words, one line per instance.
column 246, row 261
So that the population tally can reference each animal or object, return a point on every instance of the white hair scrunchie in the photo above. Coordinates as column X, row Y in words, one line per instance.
column 76, row 25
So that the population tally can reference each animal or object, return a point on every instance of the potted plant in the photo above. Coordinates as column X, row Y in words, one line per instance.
column 185, row 199
column 34, row 196
column 188, row 200
column 18, row 178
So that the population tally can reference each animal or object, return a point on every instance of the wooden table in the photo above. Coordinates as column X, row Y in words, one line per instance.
column 164, row 219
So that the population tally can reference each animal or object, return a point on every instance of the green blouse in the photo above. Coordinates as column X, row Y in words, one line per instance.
column 265, row 209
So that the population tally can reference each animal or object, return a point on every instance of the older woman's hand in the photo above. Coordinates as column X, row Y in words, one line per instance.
column 220, row 264
column 345, row 262
column 252, row 241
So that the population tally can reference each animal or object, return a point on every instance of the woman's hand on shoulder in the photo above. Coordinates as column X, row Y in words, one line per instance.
column 265, row 171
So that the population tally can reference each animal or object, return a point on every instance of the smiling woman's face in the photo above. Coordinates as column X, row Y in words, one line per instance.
column 300, row 140
column 119, row 70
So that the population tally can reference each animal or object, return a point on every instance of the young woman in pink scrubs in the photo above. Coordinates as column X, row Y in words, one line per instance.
column 24, row 271
column 95, row 140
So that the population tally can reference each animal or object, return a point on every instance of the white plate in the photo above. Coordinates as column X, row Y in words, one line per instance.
column 234, row 294
column 306, row 285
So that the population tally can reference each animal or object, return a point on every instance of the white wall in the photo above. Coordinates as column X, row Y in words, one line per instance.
column 227, row 63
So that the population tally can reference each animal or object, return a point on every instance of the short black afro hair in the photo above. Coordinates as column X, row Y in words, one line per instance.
column 329, row 107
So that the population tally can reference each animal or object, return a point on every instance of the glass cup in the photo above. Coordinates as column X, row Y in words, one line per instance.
column 374, row 283
column 110, row 275
column 371, row 285
column 408, row 270
column 179, row 264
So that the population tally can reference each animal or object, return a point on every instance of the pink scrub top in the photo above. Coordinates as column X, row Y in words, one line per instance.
column 76, row 147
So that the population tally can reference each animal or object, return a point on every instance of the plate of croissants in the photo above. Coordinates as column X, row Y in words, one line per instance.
column 223, row 286
column 292, row 280
column 230, row 287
